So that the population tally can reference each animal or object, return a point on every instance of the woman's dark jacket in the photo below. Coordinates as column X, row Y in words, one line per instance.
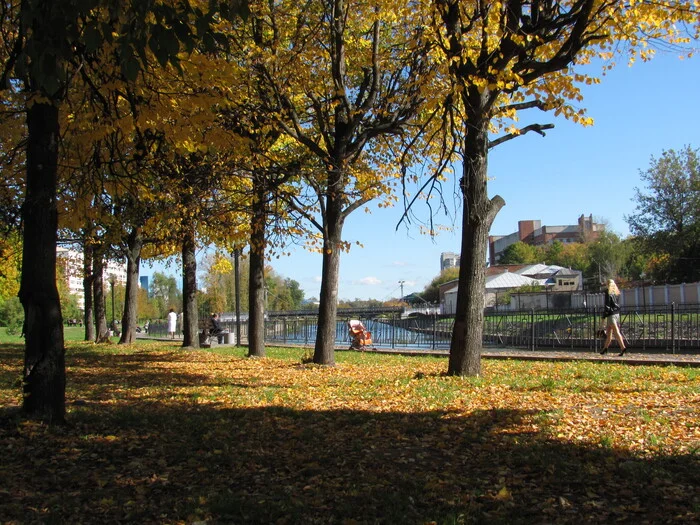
column 611, row 306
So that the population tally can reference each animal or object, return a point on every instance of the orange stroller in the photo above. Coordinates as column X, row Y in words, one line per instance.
column 359, row 336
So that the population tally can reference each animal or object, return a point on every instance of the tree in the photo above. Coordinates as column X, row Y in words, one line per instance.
column 282, row 294
column 69, row 302
column 11, row 314
column 219, row 283
column 572, row 256
column 346, row 83
column 607, row 256
column 431, row 293
column 504, row 57
column 521, row 253
column 165, row 294
column 10, row 265
column 667, row 213
column 145, row 307
column 44, row 45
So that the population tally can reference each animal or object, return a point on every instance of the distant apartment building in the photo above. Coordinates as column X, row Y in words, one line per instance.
column 448, row 260
column 73, row 264
column 533, row 233
column 143, row 282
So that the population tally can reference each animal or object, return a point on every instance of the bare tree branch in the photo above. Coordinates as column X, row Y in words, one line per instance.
column 537, row 128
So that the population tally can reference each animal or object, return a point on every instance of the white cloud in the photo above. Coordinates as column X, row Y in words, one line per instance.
column 369, row 281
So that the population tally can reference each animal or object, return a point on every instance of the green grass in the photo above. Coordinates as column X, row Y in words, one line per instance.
column 70, row 333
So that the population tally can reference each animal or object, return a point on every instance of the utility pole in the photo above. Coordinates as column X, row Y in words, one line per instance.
column 401, row 285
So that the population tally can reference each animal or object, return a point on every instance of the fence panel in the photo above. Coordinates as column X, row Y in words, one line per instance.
column 664, row 328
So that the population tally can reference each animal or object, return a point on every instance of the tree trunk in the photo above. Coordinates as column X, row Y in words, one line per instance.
column 256, row 281
column 133, row 259
column 190, row 332
column 89, row 315
column 44, row 374
column 324, row 352
column 237, row 292
column 98, row 292
column 477, row 216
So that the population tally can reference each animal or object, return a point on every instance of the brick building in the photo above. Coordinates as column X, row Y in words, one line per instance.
column 533, row 233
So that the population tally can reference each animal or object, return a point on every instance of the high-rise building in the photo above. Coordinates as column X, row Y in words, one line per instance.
column 448, row 260
column 143, row 282
column 73, row 264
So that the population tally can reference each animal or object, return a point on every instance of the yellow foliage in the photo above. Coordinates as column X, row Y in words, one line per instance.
column 504, row 65
column 10, row 266
column 221, row 264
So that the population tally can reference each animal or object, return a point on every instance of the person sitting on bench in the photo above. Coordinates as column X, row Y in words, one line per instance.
column 216, row 328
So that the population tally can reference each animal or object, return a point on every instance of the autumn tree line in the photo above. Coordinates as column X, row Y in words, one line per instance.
column 146, row 129
column 217, row 291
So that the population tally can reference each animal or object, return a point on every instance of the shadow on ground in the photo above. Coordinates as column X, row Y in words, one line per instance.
column 171, row 461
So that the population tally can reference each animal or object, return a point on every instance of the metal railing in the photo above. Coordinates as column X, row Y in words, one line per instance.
column 668, row 328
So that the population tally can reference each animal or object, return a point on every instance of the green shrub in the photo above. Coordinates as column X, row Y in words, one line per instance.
column 12, row 315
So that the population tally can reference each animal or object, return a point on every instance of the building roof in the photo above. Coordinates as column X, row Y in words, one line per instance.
column 451, row 287
column 567, row 271
column 545, row 270
column 501, row 268
column 508, row 280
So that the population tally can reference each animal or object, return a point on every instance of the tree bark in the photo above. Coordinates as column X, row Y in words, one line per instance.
column 88, row 254
column 324, row 351
column 44, row 374
column 98, row 293
column 237, row 292
column 133, row 259
column 190, row 337
column 256, row 280
column 477, row 216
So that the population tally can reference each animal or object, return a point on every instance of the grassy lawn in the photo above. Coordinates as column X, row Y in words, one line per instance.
column 161, row 435
column 70, row 333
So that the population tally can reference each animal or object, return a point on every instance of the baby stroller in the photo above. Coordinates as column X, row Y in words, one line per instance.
column 359, row 336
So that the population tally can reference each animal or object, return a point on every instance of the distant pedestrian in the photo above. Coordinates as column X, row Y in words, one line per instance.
column 216, row 328
column 172, row 323
column 611, row 312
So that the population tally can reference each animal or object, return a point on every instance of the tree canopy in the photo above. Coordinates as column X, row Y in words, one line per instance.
column 667, row 214
column 501, row 58
column 348, row 96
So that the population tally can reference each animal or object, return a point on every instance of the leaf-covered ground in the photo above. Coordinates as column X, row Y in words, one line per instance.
column 161, row 435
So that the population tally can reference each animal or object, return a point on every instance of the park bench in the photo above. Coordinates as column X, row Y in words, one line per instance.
column 205, row 336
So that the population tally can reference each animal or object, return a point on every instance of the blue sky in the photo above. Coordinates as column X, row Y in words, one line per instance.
column 639, row 112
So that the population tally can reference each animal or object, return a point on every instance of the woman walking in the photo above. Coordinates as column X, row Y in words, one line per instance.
column 172, row 323
column 611, row 312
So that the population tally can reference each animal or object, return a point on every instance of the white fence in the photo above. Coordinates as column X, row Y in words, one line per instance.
column 641, row 297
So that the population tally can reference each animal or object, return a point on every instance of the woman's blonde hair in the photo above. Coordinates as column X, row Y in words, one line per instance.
column 612, row 288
